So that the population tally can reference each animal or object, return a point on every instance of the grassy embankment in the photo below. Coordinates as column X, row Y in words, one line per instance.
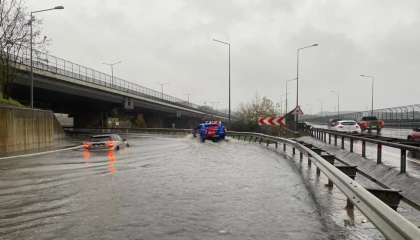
column 10, row 102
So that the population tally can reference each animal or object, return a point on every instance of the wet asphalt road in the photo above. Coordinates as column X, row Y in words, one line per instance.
column 160, row 188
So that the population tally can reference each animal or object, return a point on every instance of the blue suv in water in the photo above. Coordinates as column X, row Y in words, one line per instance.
column 210, row 131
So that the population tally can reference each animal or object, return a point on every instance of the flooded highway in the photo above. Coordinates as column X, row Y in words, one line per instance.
column 159, row 188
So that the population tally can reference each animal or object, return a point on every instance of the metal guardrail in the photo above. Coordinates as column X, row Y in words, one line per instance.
column 73, row 131
column 46, row 62
column 402, row 144
column 391, row 224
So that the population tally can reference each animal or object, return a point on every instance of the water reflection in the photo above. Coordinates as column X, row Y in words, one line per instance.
column 112, row 162
column 86, row 155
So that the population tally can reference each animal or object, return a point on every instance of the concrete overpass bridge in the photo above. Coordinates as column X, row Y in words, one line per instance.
column 88, row 95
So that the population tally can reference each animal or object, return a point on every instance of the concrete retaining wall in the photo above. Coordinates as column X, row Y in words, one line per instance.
column 23, row 129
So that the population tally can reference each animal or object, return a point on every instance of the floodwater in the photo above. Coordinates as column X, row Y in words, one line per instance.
column 161, row 188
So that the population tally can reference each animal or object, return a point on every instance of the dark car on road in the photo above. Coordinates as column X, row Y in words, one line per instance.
column 332, row 122
column 370, row 123
column 210, row 131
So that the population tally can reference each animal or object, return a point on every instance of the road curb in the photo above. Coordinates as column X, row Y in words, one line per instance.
column 40, row 153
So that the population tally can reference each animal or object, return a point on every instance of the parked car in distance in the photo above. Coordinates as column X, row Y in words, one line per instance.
column 210, row 131
column 332, row 122
column 350, row 126
column 106, row 142
column 370, row 123
column 414, row 135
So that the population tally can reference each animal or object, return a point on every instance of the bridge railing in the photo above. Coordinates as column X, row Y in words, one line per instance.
column 66, row 68
column 391, row 224
column 393, row 114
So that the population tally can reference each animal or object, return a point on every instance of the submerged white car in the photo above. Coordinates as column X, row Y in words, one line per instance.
column 346, row 126
column 106, row 142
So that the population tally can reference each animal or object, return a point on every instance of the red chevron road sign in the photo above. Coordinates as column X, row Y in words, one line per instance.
column 272, row 121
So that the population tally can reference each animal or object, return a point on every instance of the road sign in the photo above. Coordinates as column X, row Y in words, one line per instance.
column 272, row 121
column 297, row 111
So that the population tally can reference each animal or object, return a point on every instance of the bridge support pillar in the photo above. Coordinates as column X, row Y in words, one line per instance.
column 379, row 154
column 403, row 165
column 363, row 148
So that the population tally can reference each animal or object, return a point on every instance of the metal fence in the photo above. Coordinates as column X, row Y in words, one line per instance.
column 66, row 68
column 391, row 224
column 409, row 112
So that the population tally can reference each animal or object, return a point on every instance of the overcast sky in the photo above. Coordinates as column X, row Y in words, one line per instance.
column 171, row 40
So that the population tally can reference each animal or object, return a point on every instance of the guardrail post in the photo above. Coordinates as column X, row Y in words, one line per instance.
column 379, row 155
column 284, row 146
column 268, row 141
column 277, row 144
column 250, row 139
column 335, row 140
column 239, row 137
column 301, row 156
column 342, row 142
column 261, row 140
column 351, row 144
column 245, row 138
column 363, row 148
column 403, row 166
column 329, row 138
column 255, row 140
column 294, row 151
column 325, row 137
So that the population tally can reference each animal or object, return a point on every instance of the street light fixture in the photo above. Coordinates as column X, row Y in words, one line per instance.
column 373, row 80
column 188, row 94
column 229, row 73
column 321, row 105
column 31, row 44
column 281, row 102
column 287, row 91
column 161, row 86
column 112, row 70
column 338, row 97
column 297, row 82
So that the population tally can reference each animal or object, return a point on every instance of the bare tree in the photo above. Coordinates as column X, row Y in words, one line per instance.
column 15, row 40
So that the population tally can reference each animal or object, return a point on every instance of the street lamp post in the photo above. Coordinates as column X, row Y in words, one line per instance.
column 161, row 86
column 297, row 82
column 373, row 80
column 31, row 44
column 287, row 91
column 112, row 70
column 229, row 73
column 281, row 102
column 338, row 106
column 321, row 105
column 310, row 105
column 188, row 94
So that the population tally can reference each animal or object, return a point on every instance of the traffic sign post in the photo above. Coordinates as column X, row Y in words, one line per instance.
column 297, row 111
